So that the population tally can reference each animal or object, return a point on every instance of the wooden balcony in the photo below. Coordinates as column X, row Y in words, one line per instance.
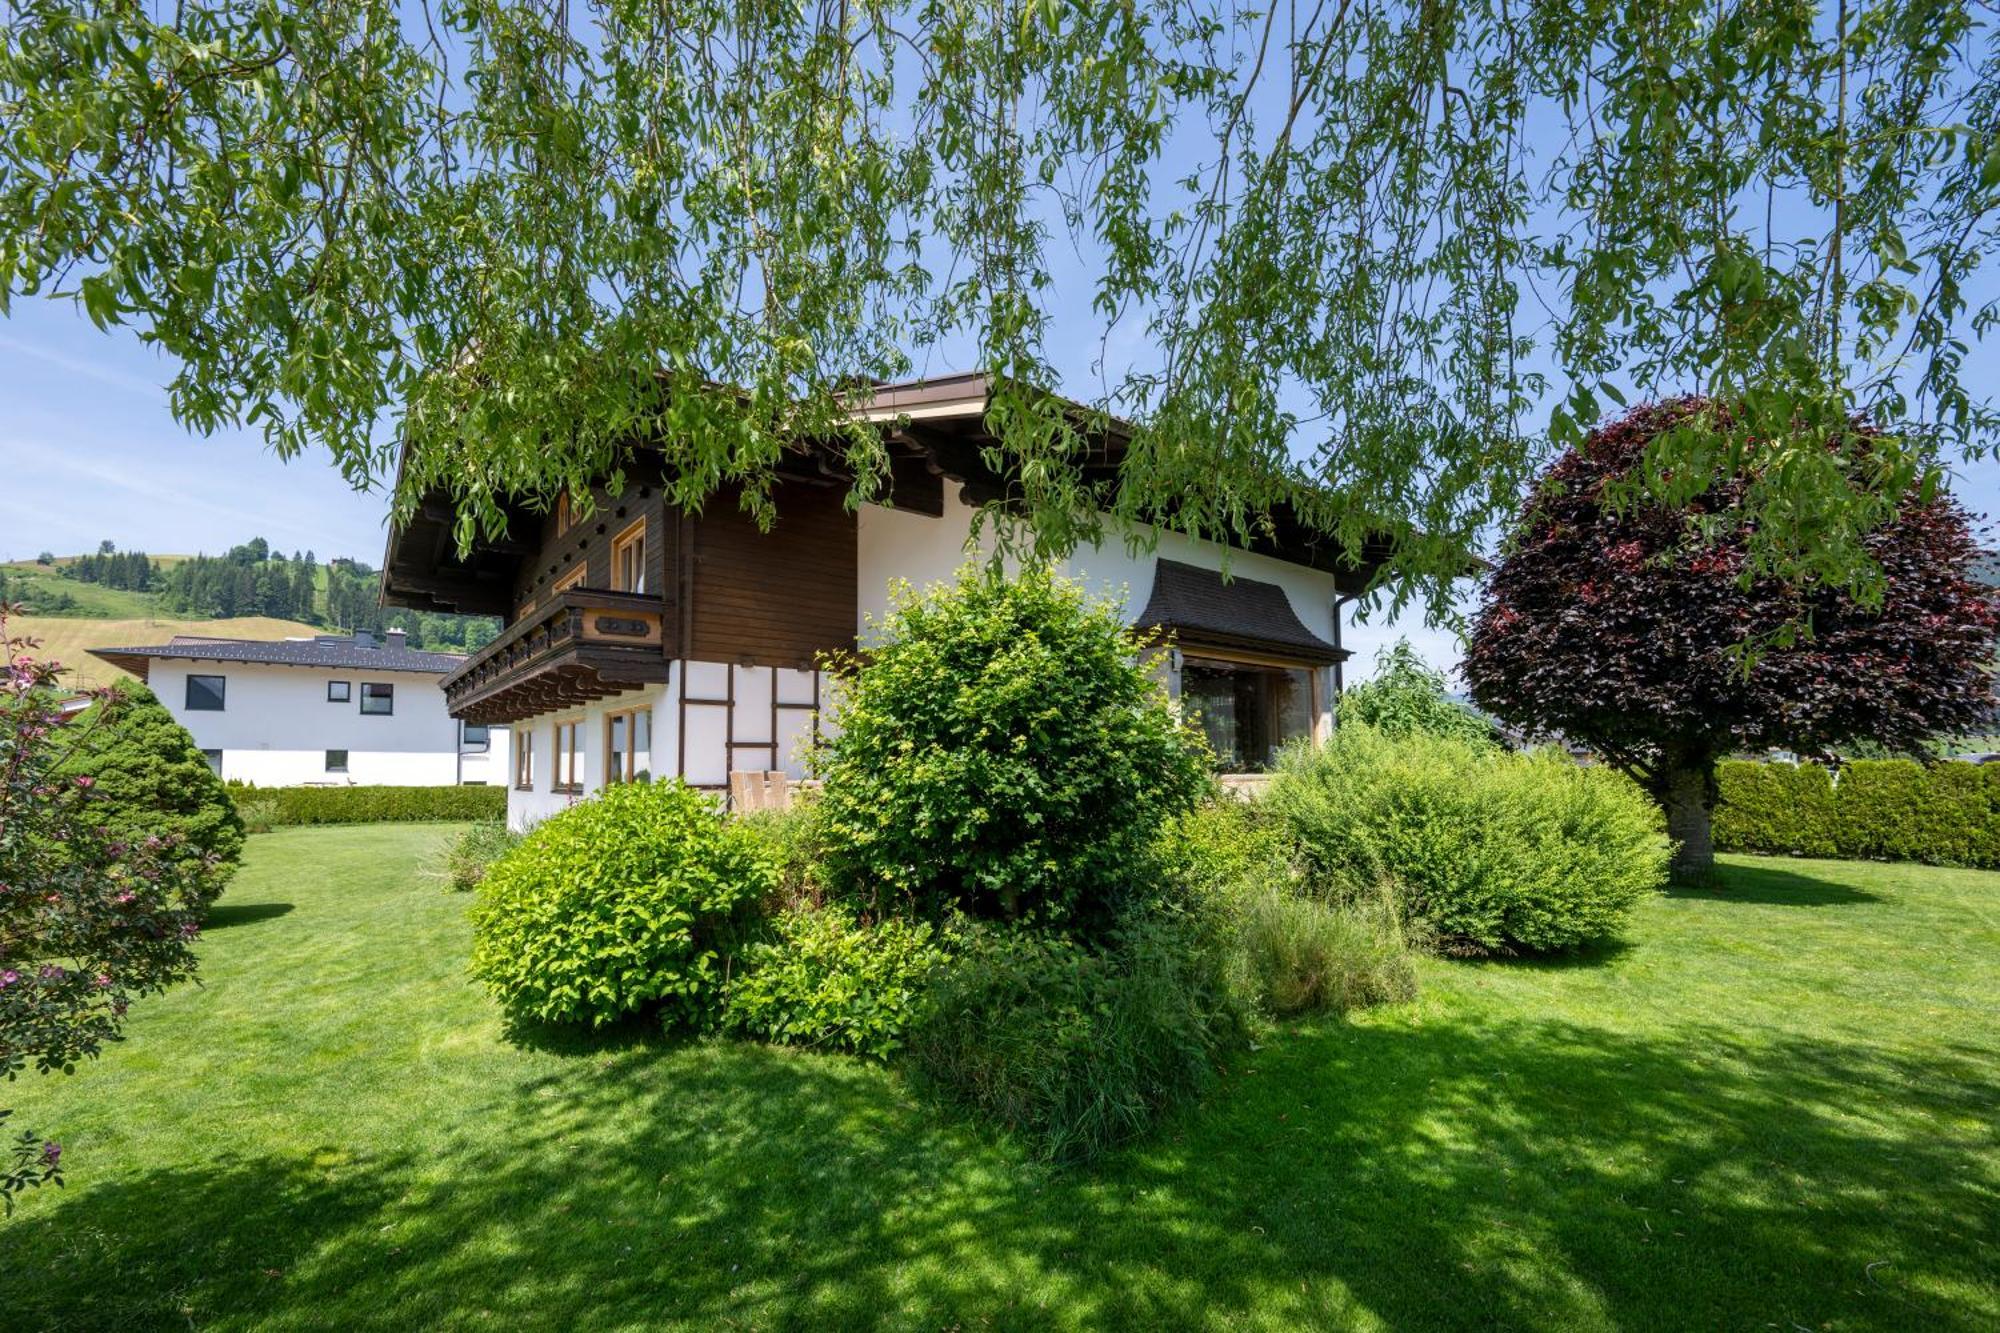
column 579, row 646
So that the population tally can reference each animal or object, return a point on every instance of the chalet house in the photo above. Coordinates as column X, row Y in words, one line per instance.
column 334, row 709
column 642, row 639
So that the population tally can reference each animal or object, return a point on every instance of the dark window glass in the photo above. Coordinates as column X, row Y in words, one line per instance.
column 377, row 698
column 338, row 691
column 336, row 761
column 214, row 758
column 204, row 693
column 475, row 737
column 1246, row 711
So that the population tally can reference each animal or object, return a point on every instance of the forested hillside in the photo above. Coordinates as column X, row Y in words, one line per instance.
column 247, row 580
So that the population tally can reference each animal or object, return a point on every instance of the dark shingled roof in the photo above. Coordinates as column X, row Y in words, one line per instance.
column 359, row 652
column 1199, row 608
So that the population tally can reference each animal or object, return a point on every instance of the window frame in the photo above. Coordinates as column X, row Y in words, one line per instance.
column 390, row 694
column 466, row 745
column 524, row 758
column 631, row 765
column 566, row 762
column 632, row 542
column 213, row 758
column 341, row 767
column 346, row 688
column 573, row 579
column 1267, row 665
column 221, row 694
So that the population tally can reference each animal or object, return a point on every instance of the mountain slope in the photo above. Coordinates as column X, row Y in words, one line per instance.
column 67, row 638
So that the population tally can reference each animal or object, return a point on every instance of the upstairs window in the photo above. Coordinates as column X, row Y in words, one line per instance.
column 205, row 693
column 339, row 691
column 573, row 579
column 378, row 698
column 628, row 559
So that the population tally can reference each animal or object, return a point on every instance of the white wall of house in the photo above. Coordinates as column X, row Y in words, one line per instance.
column 737, row 717
column 277, row 725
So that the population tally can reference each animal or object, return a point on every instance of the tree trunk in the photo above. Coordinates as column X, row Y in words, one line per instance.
column 1688, row 795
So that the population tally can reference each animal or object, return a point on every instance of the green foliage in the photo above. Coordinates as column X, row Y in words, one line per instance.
column 1406, row 696
column 795, row 839
column 1075, row 1050
column 1489, row 851
column 1877, row 809
column 258, row 816
column 154, row 783
column 369, row 805
column 472, row 853
column 633, row 900
column 1300, row 954
column 827, row 980
column 1002, row 753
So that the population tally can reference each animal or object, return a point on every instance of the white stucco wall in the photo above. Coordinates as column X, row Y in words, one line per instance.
column 276, row 726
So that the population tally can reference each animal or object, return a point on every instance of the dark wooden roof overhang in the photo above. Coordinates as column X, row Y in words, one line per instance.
column 1198, row 609
column 582, row 646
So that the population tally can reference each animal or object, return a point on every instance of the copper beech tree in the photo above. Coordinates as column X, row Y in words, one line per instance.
column 1641, row 629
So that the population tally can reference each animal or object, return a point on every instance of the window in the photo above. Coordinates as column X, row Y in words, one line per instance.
column 563, row 518
column 377, row 698
column 339, row 691
column 472, row 736
column 524, row 759
column 628, row 559
column 628, row 744
column 336, row 761
column 214, row 758
column 204, row 693
column 573, row 579
column 568, row 754
column 1247, row 711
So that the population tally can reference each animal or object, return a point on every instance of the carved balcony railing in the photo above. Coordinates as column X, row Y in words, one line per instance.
column 581, row 645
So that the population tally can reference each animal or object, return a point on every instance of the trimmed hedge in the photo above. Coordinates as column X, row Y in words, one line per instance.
column 1947, row 814
column 373, row 805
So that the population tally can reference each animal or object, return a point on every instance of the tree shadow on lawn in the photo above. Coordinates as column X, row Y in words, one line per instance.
column 1773, row 886
column 224, row 915
column 1432, row 1174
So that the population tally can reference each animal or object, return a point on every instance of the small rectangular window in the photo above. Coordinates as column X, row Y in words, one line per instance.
column 339, row 691
column 204, row 693
column 524, row 759
column 628, row 559
column 214, row 758
column 474, row 737
column 376, row 698
column 573, row 579
column 568, row 775
column 336, row 761
column 628, row 744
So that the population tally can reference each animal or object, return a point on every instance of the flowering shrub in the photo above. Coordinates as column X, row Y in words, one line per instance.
column 89, row 919
column 633, row 900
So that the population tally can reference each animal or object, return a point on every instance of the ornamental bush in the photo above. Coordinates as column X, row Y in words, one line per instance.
column 153, row 782
column 1488, row 851
column 1875, row 809
column 1073, row 1049
column 1003, row 752
column 827, row 980
column 631, row 901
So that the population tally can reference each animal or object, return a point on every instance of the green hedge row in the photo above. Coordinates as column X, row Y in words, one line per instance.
column 1880, row 809
column 371, row 805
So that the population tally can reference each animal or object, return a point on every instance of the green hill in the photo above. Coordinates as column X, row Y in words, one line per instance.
column 44, row 588
column 68, row 639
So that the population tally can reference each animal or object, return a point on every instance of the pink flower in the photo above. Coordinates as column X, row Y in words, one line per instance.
column 9, row 977
column 85, row 781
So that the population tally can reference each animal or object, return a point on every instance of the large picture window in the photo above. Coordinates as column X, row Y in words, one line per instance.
column 1247, row 711
column 628, row 744
column 378, row 698
column 205, row 693
column 567, row 776
column 628, row 559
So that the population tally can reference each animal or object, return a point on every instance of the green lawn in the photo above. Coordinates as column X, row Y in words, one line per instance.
column 1772, row 1108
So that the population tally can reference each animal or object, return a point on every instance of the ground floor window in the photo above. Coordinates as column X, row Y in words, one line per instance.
column 568, row 756
column 1246, row 710
column 214, row 758
column 628, row 744
column 524, row 759
column 474, row 737
column 336, row 761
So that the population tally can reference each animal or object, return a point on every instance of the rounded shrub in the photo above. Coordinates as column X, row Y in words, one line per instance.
column 633, row 900
column 152, row 781
column 1003, row 752
column 1489, row 851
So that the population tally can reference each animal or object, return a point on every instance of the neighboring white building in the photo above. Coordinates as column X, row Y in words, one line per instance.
column 333, row 710
column 645, row 639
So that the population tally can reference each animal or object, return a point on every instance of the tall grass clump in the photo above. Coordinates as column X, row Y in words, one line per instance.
column 1490, row 851
column 471, row 854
